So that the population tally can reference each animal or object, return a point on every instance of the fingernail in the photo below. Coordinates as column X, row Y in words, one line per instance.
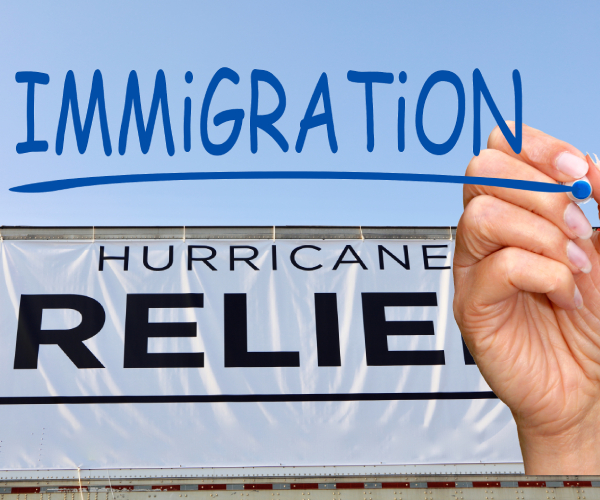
column 578, row 257
column 571, row 165
column 578, row 299
column 577, row 222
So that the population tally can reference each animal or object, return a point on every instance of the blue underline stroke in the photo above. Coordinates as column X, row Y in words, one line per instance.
column 62, row 184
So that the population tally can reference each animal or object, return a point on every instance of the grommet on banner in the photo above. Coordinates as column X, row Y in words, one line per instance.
column 361, row 233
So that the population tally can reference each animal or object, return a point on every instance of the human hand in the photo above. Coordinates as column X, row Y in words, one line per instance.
column 527, row 299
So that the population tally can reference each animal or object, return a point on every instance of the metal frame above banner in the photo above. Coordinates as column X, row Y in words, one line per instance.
column 227, row 232
column 283, row 472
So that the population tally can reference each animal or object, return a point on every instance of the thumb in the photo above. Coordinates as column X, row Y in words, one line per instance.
column 593, row 176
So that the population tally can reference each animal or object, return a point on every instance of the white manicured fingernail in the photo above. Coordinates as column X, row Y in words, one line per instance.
column 577, row 222
column 578, row 299
column 578, row 257
column 571, row 165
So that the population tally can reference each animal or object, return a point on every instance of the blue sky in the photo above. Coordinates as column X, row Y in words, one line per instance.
column 553, row 45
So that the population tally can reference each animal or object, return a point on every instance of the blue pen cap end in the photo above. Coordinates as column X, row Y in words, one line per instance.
column 582, row 191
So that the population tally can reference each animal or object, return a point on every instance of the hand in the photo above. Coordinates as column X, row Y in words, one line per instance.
column 527, row 300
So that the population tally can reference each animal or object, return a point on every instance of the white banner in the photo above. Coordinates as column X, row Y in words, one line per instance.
column 164, row 353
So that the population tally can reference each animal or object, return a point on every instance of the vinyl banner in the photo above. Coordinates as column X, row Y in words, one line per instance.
column 168, row 353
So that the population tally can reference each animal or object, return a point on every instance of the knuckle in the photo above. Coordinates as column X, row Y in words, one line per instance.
column 472, row 166
column 484, row 163
column 481, row 213
column 551, row 241
column 510, row 260
column 496, row 137
column 477, row 231
column 558, row 277
column 493, row 137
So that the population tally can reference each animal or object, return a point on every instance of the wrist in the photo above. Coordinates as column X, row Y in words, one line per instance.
column 574, row 451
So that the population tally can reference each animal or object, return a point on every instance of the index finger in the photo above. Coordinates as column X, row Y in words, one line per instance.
column 556, row 158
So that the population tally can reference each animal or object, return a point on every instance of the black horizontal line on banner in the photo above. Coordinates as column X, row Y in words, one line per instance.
column 246, row 398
